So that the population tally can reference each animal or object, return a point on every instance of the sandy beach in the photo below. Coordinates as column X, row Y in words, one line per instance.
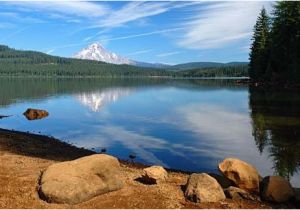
column 24, row 156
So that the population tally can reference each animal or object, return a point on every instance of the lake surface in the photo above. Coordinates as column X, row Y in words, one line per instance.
column 182, row 124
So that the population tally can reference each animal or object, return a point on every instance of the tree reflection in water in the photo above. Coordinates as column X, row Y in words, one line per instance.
column 276, row 127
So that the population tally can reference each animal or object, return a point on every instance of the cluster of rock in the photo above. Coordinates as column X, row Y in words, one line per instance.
column 93, row 175
column 246, row 183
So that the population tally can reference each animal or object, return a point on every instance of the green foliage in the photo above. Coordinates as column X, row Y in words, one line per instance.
column 285, row 48
column 30, row 63
column 259, row 48
column 223, row 71
column 275, row 52
column 37, row 64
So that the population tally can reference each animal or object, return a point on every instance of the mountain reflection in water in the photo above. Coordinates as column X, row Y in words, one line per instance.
column 96, row 100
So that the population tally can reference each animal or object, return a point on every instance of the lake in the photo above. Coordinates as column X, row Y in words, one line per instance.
column 189, row 125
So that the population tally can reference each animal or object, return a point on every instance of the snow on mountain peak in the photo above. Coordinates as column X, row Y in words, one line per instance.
column 97, row 52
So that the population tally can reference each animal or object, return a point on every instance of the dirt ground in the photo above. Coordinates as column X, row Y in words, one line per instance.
column 23, row 156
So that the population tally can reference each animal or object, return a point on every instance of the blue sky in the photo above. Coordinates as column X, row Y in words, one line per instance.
column 166, row 32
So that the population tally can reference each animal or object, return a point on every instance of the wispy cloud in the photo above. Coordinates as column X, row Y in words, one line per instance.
column 13, row 16
column 144, row 34
column 133, row 11
column 50, row 51
column 63, row 8
column 168, row 54
column 140, row 52
column 111, row 17
column 220, row 23
column 6, row 25
column 88, row 38
column 105, row 40
column 14, row 34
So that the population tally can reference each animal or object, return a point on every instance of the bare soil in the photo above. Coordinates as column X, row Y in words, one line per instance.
column 23, row 156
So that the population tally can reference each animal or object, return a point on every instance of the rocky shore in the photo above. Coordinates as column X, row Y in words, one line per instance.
column 42, row 172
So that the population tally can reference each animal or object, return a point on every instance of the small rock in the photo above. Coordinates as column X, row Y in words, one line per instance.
column 222, row 180
column 35, row 114
column 244, row 175
column 154, row 174
column 79, row 180
column 203, row 188
column 276, row 189
column 238, row 194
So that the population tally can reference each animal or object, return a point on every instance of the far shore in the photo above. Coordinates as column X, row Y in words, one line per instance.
column 121, row 77
column 24, row 156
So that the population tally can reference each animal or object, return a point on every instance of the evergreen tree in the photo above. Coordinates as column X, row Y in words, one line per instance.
column 259, row 48
column 284, row 61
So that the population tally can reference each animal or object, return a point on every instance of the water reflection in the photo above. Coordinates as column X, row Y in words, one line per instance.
column 189, row 124
column 96, row 100
column 276, row 127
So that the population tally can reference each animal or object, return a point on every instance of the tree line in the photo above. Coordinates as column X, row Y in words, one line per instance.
column 36, row 64
column 275, row 50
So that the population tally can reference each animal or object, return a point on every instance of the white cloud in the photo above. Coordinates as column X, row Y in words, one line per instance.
column 168, row 54
column 6, row 25
column 9, row 36
column 74, row 8
column 13, row 16
column 105, row 39
column 220, row 23
column 88, row 38
column 50, row 51
column 140, row 52
column 133, row 11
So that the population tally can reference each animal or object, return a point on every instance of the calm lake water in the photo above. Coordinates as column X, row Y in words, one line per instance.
column 182, row 124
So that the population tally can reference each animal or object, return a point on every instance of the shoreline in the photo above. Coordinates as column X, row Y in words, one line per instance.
column 77, row 152
column 24, row 156
column 124, row 77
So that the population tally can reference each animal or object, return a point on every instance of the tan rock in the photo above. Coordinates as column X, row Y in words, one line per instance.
column 34, row 114
column 203, row 188
column 81, row 179
column 244, row 175
column 276, row 189
column 154, row 174
column 236, row 193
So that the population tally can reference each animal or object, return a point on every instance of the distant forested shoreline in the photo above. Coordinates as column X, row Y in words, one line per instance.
column 18, row 63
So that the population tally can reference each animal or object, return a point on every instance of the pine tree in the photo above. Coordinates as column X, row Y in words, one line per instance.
column 284, row 61
column 259, row 49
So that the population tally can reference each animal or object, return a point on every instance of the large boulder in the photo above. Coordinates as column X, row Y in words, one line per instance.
column 276, row 189
column 203, row 188
column 244, row 175
column 35, row 114
column 154, row 174
column 235, row 193
column 79, row 180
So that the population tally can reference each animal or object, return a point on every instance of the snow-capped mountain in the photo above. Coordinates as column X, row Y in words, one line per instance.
column 97, row 52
